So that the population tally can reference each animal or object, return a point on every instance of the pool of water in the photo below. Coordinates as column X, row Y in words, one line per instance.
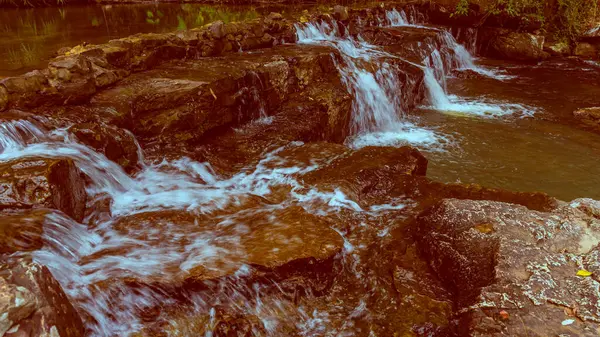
column 537, row 148
column 30, row 37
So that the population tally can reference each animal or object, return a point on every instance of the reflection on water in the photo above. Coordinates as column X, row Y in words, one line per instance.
column 29, row 37
column 519, row 155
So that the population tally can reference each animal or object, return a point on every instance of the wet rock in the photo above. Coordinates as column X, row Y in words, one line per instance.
column 340, row 13
column 35, row 302
column 369, row 173
column 185, row 100
column 518, row 46
column 557, row 48
column 589, row 117
column 277, row 243
column 219, row 323
column 3, row 97
column 585, row 50
column 21, row 231
column 117, row 144
column 497, row 256
column 40, row 182
column 24, row 90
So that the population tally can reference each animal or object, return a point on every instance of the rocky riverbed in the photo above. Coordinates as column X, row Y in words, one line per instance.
column 268, row 178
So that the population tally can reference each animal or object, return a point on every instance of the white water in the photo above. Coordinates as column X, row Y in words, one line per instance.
column 91, row 260
column 377, row 117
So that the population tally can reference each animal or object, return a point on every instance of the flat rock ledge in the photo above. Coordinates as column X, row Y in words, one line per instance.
column 514, row 271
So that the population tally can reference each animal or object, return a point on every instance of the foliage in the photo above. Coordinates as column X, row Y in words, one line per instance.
column 566, row 18
column 574, row 16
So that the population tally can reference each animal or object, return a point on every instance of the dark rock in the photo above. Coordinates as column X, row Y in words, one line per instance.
column 278, row 243
column 35, row 302
column 3, row 98
column 340, row 13
column 21, row 231
column 589, row 116
column 585, row 50
column 117, row 144
column 518, row 46
column 40, row 182
column 496, row 256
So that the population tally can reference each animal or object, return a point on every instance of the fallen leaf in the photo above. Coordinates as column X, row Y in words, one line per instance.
column 584, row 273
column 484, row 228
column 568, row 322
column 504, row 315
column 213, row 93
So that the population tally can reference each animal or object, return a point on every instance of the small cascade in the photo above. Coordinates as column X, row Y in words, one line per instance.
column 377, row 117
column 14, row 135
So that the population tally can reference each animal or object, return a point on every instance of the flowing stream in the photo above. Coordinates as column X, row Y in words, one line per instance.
column 96, row 261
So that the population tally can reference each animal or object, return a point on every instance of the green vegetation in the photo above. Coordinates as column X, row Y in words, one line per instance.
column 567, row 19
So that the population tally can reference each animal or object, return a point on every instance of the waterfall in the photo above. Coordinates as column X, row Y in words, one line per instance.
column 377, row 117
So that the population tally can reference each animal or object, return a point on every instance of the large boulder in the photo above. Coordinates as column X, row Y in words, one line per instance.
column 117, row 144
column 514, row 271
column 586, row 50
column 32, row 303
column 42, row 182
column 518, row 46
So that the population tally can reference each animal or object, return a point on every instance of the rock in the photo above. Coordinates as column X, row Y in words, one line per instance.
column 278, row 243
column 589, row 117
column 221, row 322
column 369, row 173
column 558, row 48
column 496, row 256
column 16, row 304
column 518, row 46
column 182, row 101
column 35, row 303
column 592, row 35
column 585, row 50
column 217, row 29
column 21, row 231
column 117, row 144
column 340, row 13
column 41, row 182
column 3, row 98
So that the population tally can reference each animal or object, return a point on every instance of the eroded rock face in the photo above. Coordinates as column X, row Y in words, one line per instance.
column 32, row 303
column 117, row 144
column 495, row 256
column 518, row 46
column 40, row 182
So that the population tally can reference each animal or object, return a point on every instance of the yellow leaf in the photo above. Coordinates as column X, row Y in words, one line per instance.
column 584, row 273
column 485, row 228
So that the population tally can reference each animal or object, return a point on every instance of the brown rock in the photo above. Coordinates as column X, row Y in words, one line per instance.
column 496, row 256
column 279, row 243
column 585, row 50
column 16, row 304
column 3, row 98
column 340, row 13
column 21, row 231
column 589, row 117
column 117, row 144
column 518, row 46
column 40, row 182
column 37, row 305
column 217, row 29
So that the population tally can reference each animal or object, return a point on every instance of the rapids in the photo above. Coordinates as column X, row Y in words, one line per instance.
column 145, row 233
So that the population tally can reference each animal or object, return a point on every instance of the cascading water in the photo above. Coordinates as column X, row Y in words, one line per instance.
column 377, row 118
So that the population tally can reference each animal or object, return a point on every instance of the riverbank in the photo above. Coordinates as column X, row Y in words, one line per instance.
column 275, row 177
